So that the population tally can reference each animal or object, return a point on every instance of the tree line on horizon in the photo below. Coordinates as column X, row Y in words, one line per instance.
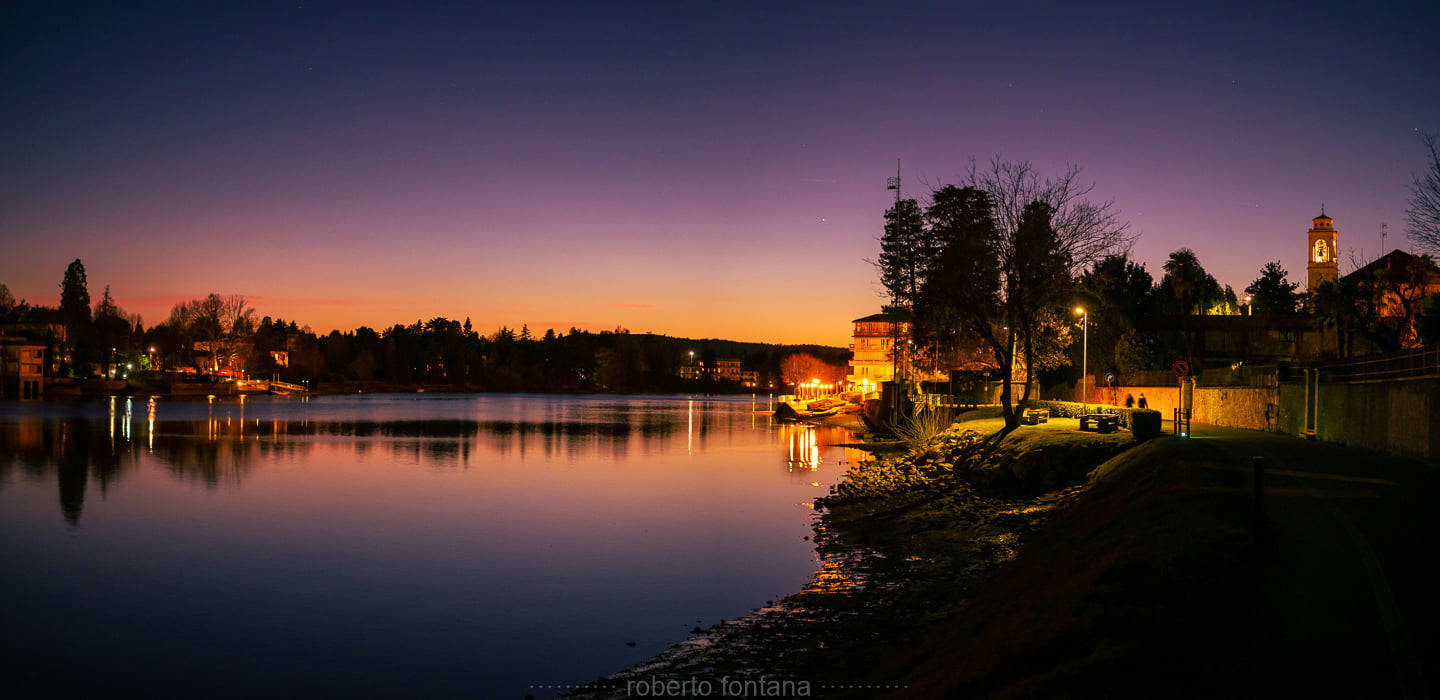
column 212, row 333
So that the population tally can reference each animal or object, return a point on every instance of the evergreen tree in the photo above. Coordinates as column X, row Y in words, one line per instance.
column 906, row 250
column 1271, row 294
column 75, row 294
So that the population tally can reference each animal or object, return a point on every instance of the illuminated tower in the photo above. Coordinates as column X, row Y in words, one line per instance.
column 1323, row 249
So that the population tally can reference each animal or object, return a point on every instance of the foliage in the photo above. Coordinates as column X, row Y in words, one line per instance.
column 906, row 251
column 1381, row 302
column 1010, row 243
column 1429, row 322
column 802, row 367
column 1423, row 213
column 75, row 294
column 919, row 428
column 436, row 352
column 222, row 326
column 1075, row 409
column 1272, row 294
column 1135, row 352
column 1145, row 423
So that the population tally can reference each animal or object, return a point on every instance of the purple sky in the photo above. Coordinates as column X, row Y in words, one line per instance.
column 694, row 169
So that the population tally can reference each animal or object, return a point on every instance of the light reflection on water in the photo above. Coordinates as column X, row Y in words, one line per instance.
column 433, row 544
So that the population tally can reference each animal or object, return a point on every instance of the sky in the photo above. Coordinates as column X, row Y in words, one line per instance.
column 695, row 169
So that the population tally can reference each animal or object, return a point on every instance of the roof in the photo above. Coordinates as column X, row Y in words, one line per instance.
column 1322, row 216
column 877, row 318
column 1395, row 258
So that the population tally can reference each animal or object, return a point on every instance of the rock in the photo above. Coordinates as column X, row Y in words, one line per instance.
column 1031, row 467
column 1050, row 481
column 783, row 411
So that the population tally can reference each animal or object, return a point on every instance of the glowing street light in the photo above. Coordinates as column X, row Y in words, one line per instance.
column 1249, row 307
column 1084, row 357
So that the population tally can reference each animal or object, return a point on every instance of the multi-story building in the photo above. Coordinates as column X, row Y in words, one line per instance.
column 873, row 345
column 22, row 368
column 725, row 370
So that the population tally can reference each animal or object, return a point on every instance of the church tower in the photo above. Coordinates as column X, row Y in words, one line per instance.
column 1323, row 250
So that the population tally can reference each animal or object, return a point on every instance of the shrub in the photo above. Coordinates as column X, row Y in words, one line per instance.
column 1144, row 423
column 920, row 427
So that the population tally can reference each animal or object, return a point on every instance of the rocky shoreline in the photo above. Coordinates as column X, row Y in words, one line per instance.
column 903, row 542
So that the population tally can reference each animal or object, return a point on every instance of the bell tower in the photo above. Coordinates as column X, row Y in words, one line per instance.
column 1322, row 251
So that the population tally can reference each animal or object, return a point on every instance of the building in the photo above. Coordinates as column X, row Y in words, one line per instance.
column 872, row 345
column 1323, row 249
column 749, row 378
column 1396, row 287
column 723, row 370
column 727, row 370
column 22, row 368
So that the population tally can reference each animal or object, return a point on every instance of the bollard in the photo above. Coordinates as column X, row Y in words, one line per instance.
column 1257, row 481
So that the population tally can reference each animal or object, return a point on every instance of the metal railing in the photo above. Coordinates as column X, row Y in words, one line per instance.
column 1404, row 365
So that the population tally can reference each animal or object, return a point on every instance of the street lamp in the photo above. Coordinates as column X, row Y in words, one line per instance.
column 1084, row 357
column 1249, row 307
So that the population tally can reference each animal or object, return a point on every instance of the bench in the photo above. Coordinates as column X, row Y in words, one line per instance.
column 1100, row 422
column 1035, row 416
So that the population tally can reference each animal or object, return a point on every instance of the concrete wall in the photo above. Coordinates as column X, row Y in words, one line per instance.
column 1400, row 417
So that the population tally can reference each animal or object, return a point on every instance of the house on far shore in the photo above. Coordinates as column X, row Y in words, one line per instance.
column 722, row 370
column 873, row 344
column 22, row 368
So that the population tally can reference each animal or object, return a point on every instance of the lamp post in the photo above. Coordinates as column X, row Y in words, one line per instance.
column 1084, row 357
column 1249, row 307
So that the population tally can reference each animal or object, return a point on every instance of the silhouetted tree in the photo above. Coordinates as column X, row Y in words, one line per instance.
column 1272, row 294
column 1423, row 213
column 802, row 367
column 905, row 253
column 1010, row 258
column 75, row 294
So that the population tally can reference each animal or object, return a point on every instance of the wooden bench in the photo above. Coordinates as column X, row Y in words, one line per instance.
column 1100, row 422
column 1035, row 416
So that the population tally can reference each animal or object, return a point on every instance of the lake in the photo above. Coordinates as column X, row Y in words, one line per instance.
column 415, row 544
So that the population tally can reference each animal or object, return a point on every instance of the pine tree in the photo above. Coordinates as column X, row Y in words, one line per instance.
column 74, row 294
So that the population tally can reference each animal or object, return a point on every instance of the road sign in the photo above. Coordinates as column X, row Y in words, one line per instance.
column 1181, row 368
column 1110, row 378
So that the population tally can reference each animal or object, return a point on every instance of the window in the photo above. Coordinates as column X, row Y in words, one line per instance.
column 1322, row 253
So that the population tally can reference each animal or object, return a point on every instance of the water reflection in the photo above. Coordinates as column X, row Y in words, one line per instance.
column 474, row 531
column 216, row 443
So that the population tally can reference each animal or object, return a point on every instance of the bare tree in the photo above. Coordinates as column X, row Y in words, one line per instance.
column 219, row 325
column 1087, row 231
column 802, row 367
column 1013, row 243
column 1424, row 212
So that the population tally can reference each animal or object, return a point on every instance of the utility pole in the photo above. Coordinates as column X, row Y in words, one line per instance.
column 1384, row 230
column 894, row 184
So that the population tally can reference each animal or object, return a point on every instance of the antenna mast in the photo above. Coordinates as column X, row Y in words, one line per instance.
column 1383, row 232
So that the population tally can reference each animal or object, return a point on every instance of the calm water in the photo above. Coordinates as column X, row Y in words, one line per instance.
column 400, row 544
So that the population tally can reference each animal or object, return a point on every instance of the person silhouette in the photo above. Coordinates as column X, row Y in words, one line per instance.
column 1129, row 401
column 1143, row 402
